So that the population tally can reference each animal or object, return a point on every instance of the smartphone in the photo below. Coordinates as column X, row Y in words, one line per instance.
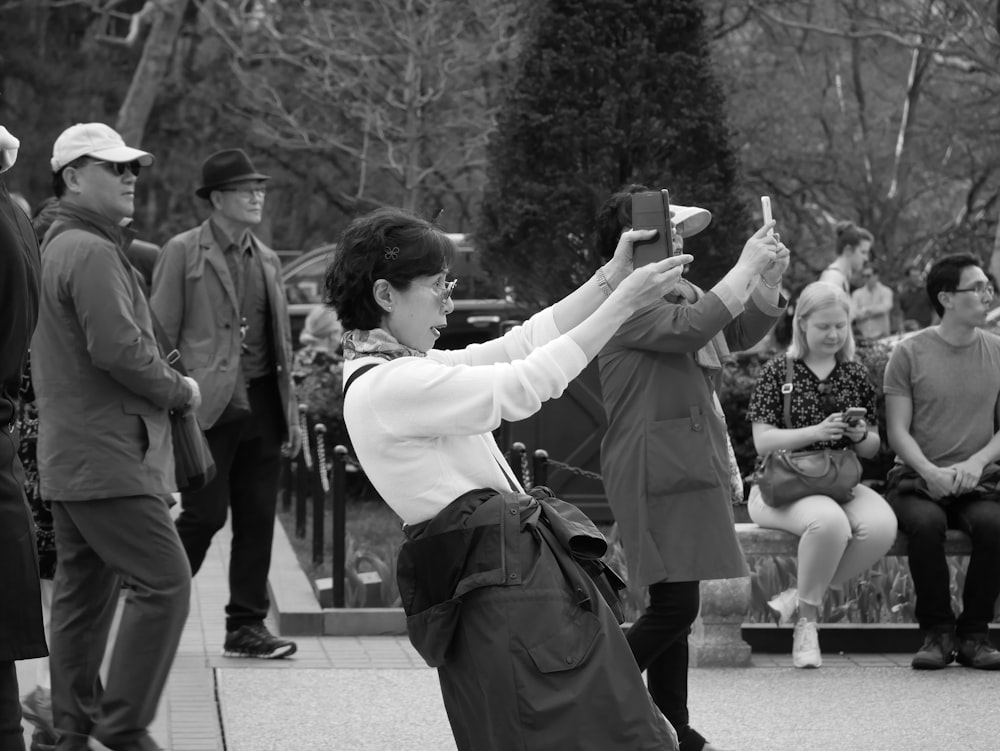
column 853, row 414
column 651, row 210
column 765, row 208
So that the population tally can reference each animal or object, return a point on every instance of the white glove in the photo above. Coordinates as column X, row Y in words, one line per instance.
column 195, row 401
column 8, row 149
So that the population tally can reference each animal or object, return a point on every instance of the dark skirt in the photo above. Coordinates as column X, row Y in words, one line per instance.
column 546, row 666
column 22, row 636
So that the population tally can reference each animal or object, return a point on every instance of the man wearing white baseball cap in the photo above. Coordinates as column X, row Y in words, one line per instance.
column 666, row 459
column 105, row 455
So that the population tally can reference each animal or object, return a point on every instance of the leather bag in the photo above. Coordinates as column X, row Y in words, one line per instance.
column 786, row 476
column 194, row 466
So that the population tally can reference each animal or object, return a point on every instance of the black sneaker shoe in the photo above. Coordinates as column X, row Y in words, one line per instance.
column 256, row 641
column 976, row 651
column 937, row 652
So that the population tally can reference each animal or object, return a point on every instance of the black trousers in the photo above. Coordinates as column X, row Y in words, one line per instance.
column 11, row 732
column 925, row 523
column 659, row 642
column 247, row 455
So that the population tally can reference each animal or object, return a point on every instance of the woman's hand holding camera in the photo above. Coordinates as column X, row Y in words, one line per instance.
column 646, row 284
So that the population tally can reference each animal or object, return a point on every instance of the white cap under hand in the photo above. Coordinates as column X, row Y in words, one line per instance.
column 8, row 149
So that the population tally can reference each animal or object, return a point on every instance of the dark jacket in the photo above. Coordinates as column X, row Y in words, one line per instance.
column 664, row 457
column 195, row 299
column 102, row 388
column 21, row 633
column 529, row 655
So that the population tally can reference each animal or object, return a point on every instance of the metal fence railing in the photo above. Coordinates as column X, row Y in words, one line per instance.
column 313, row 484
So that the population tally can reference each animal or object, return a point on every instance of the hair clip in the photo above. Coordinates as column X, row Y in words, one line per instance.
column 391, row 254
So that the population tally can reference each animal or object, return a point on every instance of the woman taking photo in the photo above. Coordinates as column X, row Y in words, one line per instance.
column 836, row 541
column 529, row 654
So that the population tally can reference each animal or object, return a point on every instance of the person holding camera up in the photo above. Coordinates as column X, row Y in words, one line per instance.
column 666, row 459
column 824, row 388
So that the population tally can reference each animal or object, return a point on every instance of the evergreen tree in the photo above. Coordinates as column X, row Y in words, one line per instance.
column 608, row 92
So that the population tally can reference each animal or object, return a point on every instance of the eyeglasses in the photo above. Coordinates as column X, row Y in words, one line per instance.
column 245, row 193
column 442, row 288
column 983, row 289
column 119, row 168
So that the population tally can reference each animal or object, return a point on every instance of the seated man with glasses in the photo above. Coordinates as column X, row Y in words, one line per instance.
column 942, row 393
column 217, row 291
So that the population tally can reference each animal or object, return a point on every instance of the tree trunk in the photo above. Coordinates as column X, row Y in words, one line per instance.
column 151, row 71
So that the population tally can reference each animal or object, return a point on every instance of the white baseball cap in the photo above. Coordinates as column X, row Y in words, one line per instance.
column 97, row 140
column 8, row 149
column 689, row 220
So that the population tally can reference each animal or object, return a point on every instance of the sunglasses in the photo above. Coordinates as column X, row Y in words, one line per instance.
column 120, row 168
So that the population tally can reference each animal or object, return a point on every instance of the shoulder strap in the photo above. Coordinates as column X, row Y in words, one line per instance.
column 356, row 373
column 787, row 388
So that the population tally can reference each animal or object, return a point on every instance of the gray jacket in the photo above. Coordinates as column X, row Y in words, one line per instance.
column 103, row 390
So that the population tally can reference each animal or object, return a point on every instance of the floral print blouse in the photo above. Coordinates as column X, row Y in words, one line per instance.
column 813, row 400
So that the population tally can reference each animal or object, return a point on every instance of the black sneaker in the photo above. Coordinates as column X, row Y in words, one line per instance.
column 937, row 652
column 976, row 651
column 256, row 641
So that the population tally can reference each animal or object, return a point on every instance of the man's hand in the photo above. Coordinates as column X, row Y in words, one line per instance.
column 293, row 445
column 967, row 475
column 940, row 482
column 195, row 401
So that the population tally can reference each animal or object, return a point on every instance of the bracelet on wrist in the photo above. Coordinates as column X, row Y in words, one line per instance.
column 769, row 286
column 603, row 283
column 862, row 439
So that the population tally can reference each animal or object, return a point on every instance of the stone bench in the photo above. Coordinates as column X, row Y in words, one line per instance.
column 716, row 638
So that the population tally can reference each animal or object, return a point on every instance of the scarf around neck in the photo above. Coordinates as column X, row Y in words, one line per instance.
column 376, row 343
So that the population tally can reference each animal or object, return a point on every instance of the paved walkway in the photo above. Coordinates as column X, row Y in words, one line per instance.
column 375, row 694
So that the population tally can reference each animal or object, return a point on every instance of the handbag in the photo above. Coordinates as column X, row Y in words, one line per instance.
column 786, row 476
column 194, row 466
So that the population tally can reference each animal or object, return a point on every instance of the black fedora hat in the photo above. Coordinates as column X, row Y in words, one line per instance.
column 225, row 167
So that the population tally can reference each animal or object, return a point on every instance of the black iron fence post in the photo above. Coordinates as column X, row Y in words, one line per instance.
column 302, row 462
column 339, row 522
column 287, row 481
column 540, row 466
column 320, row 483
column 517, row 451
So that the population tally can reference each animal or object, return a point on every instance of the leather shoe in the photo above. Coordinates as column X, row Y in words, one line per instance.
column 976, row 651
column 937, row 652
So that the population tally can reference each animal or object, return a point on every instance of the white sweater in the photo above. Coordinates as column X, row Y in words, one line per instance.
column 421, row 426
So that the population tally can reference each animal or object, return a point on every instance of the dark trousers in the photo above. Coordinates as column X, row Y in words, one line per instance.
column 99, row 543
column 925, row 522
column 659, row 642
column 247, row 455
column 11, row 732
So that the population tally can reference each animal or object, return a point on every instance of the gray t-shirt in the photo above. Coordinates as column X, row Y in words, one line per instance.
column 954, row 390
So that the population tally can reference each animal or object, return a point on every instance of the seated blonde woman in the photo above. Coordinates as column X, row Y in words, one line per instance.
column 836, row 541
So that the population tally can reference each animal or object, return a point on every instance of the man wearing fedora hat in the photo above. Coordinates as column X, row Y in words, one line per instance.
column 217, row 291
column 667, row 463
column 105, row 458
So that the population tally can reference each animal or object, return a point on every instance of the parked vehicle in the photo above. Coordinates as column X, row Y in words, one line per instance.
column 475, row 318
